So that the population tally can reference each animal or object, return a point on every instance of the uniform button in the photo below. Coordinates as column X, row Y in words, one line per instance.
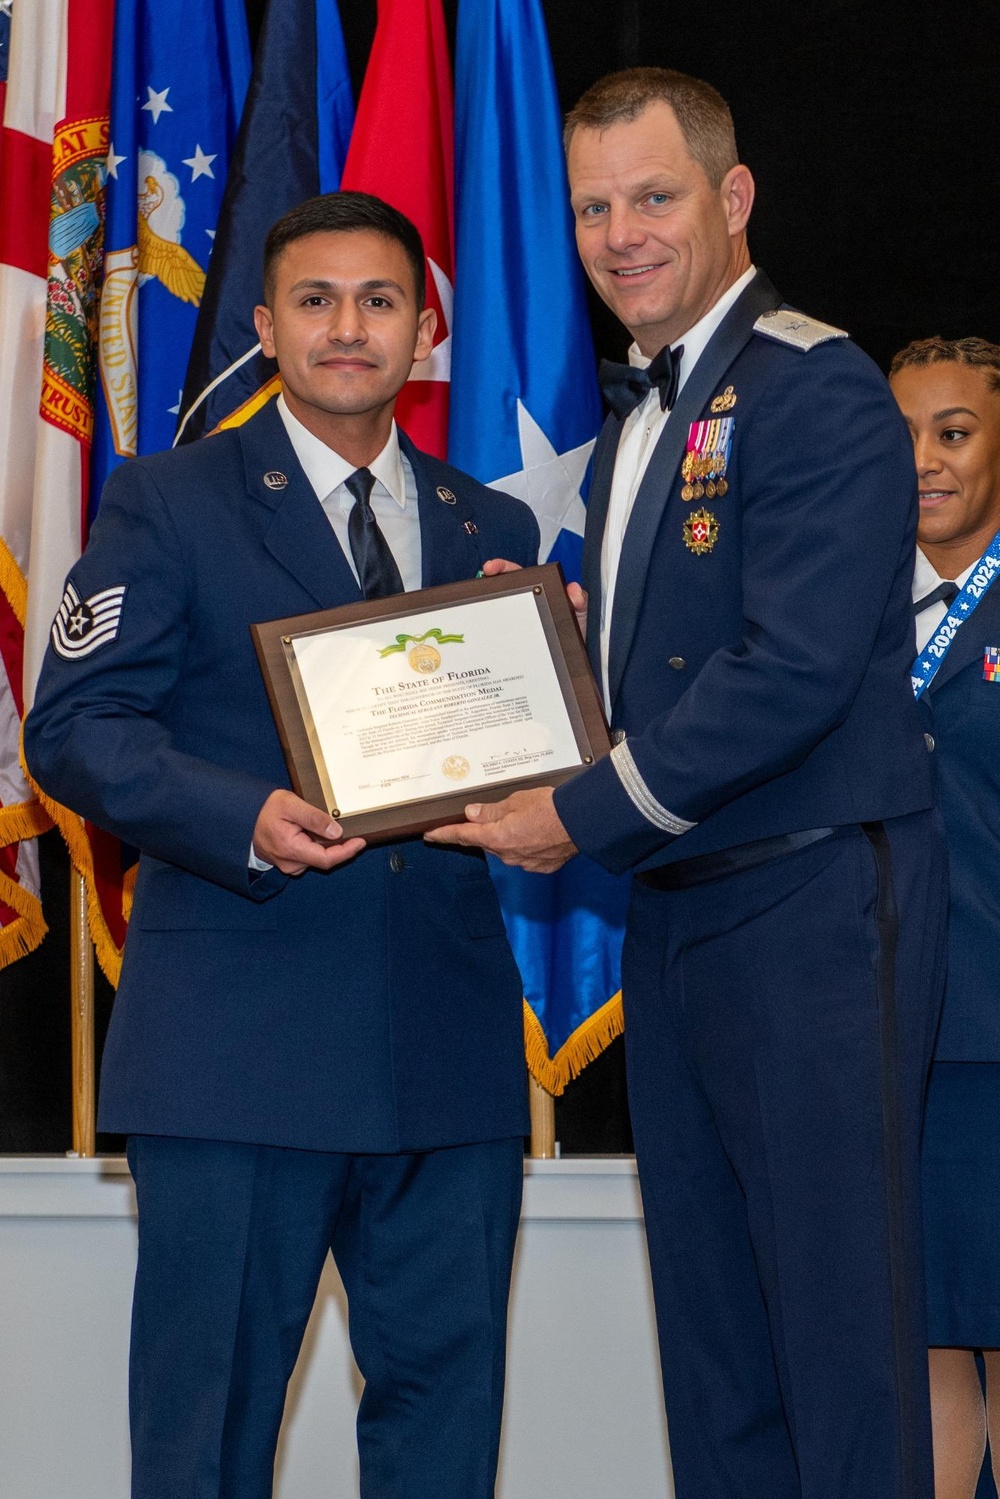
column 617, row 736
column 396, row 862
column 929, row 741
column 677, row 662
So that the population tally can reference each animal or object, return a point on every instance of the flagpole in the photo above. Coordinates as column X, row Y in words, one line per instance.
column 82, row 1020
column 543, row 1122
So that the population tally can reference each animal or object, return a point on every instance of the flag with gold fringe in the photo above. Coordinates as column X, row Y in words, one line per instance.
column 52, row 171
column 178, row 80
column 525, row 411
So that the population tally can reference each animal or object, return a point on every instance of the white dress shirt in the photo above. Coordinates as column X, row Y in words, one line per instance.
column 925, row 580
column 639, row 435
column 393, row 499
column 393, row 496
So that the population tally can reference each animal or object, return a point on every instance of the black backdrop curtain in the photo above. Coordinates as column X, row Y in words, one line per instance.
column 870, row 127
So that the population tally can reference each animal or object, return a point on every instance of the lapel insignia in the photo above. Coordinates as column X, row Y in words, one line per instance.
column 470, row 528
column 275, row 479
column 82, row 625
column 991, row 664
column 707, row 457
column 446, row 495
column 701, row 532
column 725, row 402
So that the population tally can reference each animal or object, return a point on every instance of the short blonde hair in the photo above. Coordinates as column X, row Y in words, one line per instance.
column 702, row 113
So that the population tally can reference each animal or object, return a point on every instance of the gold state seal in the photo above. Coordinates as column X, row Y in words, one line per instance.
column 456, row 767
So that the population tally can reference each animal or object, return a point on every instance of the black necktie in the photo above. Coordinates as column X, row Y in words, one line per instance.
column 944, row 591
column 378, row 574
column 625, row 386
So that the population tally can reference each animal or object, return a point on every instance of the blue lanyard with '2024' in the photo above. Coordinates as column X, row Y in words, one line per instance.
column 929, row 663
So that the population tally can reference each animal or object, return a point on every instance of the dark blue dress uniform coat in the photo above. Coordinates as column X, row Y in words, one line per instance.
column 790, row 709
column 374, row 1008
column 783, row 957
column 966, row 727
column 961, row 1143
column 364, row 1017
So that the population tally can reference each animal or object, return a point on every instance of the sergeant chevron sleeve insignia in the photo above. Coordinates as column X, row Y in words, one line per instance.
column 82, row 626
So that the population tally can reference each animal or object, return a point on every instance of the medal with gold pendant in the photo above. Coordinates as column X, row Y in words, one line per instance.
column 687, row 474
column 423, row 657
column 709, row 444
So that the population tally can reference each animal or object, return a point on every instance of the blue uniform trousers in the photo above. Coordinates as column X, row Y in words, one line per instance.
column 779, row 1026
column 232, row 1240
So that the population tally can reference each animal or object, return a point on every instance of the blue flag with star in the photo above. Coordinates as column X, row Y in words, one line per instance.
column 292, row 144
column 179, row 79
column 525, row 411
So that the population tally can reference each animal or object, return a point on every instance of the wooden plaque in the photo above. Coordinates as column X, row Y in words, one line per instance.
column 396, row 713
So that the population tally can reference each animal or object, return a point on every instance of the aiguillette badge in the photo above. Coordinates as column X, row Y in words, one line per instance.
column 701, row 531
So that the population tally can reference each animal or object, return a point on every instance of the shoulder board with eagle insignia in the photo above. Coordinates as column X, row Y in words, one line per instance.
column 795, row 329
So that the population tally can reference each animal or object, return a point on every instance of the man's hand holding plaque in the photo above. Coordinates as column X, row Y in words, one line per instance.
column 524, row 830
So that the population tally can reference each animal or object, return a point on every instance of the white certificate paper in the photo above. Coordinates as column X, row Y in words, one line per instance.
column 465, row 695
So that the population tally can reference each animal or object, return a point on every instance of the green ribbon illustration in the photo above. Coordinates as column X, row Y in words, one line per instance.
column 402, row 641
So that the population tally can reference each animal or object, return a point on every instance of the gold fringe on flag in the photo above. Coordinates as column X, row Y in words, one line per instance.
column 27, row 819
column 20, row 821
column 22, row 935
column 13, row 584
column 583, row 1046
column 70, row 824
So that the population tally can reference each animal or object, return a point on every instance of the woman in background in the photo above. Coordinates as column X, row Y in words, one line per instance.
column 949, row 393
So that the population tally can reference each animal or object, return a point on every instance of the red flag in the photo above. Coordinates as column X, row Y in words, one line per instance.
column 403, row 150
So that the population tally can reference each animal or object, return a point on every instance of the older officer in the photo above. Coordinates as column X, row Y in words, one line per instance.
column 748, row 559
column 300, row 1063
column 949, row 392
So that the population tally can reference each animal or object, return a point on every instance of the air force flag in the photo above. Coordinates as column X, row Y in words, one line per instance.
column 525, row 411
column 179, row 78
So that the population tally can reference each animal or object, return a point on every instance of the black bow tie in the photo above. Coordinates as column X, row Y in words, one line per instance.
column 944, row 591
column 625, row 386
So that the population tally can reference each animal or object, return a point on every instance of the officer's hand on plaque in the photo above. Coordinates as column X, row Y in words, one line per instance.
column 294, row 836
column 525, row 830
column 576, row 595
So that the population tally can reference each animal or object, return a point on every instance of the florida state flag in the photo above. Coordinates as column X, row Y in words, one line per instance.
column 54, row 151
column 402, row 150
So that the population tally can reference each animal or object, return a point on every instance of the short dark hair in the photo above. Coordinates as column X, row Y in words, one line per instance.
column 702, row 113
column 977, row 353
column 345, row 213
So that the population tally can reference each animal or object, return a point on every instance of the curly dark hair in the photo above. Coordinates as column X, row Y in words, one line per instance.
column 977, row 353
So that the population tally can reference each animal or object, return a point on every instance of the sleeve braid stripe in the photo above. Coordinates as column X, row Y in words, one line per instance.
column 641, row 796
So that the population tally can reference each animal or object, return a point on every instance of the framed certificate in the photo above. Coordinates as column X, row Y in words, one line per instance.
column 394, row 714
